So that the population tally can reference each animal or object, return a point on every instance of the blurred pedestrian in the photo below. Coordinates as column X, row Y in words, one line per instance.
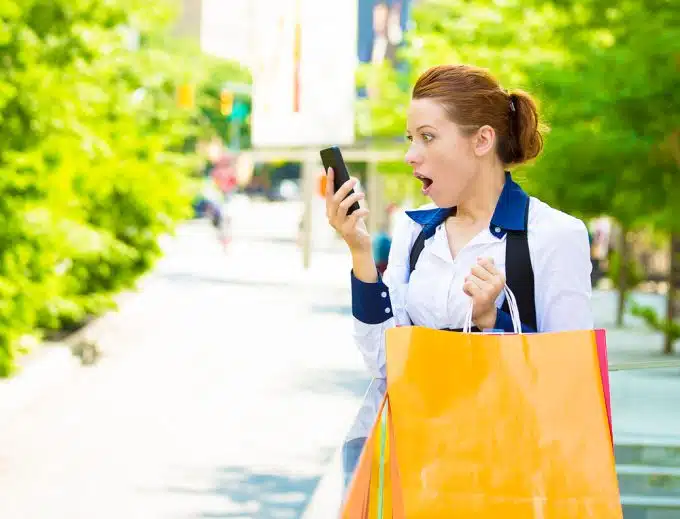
column 381, row 248
column 382, row 241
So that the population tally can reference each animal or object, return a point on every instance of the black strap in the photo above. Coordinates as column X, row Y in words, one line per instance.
column 519, row 272
column 416, row 249
column 519, row 276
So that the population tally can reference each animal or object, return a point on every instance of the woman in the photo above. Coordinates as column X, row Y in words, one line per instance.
column 465, row 131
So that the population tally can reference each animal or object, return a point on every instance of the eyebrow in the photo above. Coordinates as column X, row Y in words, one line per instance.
column 425, row 126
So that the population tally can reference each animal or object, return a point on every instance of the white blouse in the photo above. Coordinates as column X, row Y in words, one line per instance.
column 433, row 295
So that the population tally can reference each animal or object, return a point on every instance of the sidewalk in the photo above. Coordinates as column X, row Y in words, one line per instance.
column 644, row 402
column 634, row 341
column 228, row 382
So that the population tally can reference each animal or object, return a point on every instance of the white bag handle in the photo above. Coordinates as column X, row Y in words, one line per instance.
column 514, row 313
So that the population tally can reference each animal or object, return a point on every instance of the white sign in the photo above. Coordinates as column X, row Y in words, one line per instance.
column 227, row 29
column 303, row 64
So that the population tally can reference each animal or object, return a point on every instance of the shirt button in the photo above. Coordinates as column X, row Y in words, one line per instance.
column 497, row 229
column 383, row 295
column 387, row 310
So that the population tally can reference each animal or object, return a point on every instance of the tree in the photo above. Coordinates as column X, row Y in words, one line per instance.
column 620, row 121
column 92, row 169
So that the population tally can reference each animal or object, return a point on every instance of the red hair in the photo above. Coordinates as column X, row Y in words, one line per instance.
column 472, row 98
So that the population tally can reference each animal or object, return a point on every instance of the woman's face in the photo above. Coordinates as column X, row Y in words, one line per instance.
column 442, row 157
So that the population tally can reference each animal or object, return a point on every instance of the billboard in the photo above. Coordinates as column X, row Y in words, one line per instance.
column 303, row 60
column 226, row 29
column 303, row 66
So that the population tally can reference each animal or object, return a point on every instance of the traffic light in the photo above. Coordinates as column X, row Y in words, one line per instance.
column 240, row 111
column 226, row 102
column 185, row 96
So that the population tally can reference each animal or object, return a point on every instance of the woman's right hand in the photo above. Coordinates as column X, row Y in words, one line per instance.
column 352, row 228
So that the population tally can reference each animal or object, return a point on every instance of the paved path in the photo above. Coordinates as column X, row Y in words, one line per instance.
column 227, row 385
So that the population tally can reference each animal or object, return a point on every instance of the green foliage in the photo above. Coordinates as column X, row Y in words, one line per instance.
column 92, row 163
column 670, row 329
column 634, row 272
column 210, row 75
column 223, row 74
column 613, row 105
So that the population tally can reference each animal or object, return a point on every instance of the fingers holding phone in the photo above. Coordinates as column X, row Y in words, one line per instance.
column 338, row 204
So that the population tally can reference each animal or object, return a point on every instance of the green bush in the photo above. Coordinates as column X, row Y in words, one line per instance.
column 92, row 163
column 655, row 322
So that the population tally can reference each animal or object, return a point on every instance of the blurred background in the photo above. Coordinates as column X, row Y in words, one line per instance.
column 175, row 324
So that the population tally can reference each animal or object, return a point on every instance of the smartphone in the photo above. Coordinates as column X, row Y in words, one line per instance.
column 332, row 158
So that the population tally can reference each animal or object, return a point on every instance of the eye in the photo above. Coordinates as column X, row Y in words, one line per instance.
column 409, row 138
column 427, row 137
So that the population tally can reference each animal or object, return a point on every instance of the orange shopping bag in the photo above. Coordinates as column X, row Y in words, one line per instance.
column 375, row 490
column 511, row 426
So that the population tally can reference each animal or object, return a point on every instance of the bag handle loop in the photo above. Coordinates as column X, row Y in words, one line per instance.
column 512, row 305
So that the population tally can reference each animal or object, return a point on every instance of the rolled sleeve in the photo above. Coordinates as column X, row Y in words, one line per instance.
column 370, row 301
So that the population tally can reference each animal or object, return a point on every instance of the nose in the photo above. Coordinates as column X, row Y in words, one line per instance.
column 412, row 157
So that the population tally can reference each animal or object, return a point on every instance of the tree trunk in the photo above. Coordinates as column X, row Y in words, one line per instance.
column 622, row 283
column 673, row 300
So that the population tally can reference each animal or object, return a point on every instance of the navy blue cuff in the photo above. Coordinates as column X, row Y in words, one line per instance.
column 370, row 301
column 504, row 322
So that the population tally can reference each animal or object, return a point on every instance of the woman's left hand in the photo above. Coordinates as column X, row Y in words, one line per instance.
column 484, row 283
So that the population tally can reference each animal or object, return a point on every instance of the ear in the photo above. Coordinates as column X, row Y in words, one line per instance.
column 485, row 140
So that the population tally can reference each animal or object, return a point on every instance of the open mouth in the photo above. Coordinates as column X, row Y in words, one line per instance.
column 427, row 182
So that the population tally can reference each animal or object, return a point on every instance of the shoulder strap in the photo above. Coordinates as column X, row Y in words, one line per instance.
column 416, row 249
column 519, row 274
